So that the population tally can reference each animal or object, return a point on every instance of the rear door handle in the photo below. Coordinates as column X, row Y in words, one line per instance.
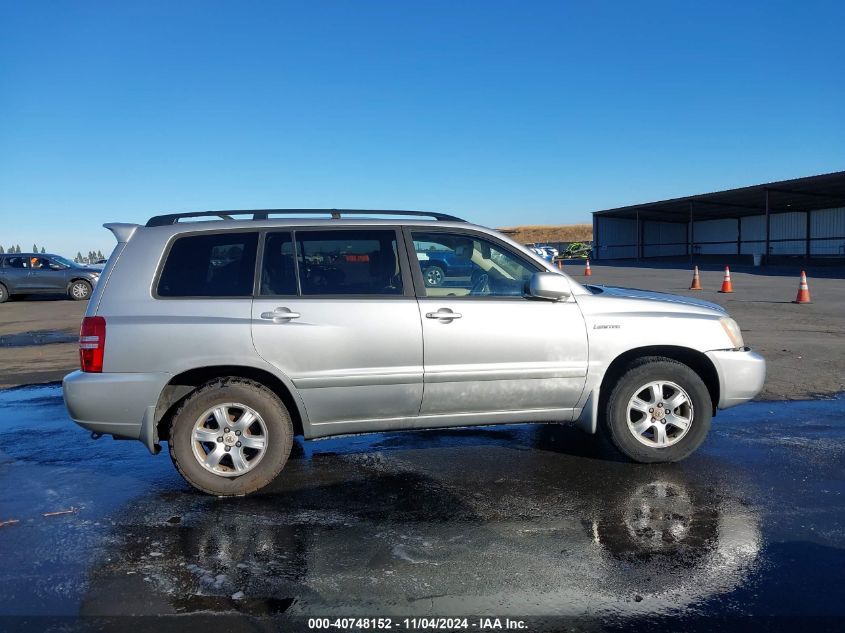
column 443, row 314
column 280, row 315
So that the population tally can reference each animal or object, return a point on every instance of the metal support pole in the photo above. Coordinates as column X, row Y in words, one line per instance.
column 691, row 232
column 807, row 237
column 638, row 236
column 766, row 253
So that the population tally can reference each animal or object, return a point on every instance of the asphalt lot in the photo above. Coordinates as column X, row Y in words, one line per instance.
column 535, row 521
column 804, row 345
column 498, row 521
column 39, row 339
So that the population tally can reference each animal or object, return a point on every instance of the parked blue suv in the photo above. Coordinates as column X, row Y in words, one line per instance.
column 437, row 264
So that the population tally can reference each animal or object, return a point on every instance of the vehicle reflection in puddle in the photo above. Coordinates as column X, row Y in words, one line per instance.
column 415, row 531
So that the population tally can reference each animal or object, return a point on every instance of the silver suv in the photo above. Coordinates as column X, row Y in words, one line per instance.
column 226, row 338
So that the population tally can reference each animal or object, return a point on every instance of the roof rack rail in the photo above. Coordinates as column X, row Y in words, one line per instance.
column 264, row 214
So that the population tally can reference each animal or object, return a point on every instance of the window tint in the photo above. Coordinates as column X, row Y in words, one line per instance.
column 348, row 262
column 17, row 262
column 278, row 270
column 462, row 265
column 217, row 265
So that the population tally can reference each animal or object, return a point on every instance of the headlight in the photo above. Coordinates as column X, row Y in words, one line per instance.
column 732, row 330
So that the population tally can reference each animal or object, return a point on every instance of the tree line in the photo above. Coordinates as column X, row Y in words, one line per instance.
column 93, row 256
column 17, row 249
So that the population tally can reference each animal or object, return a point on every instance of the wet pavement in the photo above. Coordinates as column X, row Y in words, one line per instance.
column 540, row 522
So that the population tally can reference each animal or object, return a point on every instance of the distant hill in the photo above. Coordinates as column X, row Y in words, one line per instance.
column 539, row 234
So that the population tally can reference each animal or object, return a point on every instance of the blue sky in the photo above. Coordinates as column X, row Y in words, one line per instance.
column 503, row 112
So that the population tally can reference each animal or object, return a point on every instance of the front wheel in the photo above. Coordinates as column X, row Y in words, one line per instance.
column 79, row 290
column 658, row 411
column 4, row 294
column 231, row 437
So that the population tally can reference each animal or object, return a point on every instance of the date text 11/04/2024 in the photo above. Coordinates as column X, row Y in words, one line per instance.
column 418, row 624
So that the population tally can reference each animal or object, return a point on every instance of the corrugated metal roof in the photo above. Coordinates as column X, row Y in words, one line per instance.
column 799, row 194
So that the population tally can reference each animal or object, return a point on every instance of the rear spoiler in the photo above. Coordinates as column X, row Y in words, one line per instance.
column 122, row 231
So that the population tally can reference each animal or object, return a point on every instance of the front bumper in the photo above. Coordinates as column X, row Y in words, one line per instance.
column 741, row 375
column 120, row 405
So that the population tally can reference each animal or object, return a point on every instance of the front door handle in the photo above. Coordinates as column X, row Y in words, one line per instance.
column 280, row 315
column 443, row 314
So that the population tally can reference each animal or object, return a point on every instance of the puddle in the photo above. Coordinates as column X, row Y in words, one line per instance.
column 523, row 519
column 37, row 337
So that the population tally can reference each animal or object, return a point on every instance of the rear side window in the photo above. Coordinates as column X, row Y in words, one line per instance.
column 17, row 262
column 353, row 262
column 216, row 265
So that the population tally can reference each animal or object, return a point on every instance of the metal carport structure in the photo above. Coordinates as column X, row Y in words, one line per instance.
column 803, row 217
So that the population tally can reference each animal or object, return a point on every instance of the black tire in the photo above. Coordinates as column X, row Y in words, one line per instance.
column 4, row 294
column 79, row 290
column 641, row 372
column 279, row 438
column 434, row 276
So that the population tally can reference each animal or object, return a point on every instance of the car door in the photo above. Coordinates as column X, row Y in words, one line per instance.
column 336, row 313
column 488, row 348
column 16, row 273
column 45, row 275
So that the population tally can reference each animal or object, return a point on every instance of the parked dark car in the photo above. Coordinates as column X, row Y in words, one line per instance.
column 34, row 273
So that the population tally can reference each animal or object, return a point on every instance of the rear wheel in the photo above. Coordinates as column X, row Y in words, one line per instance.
column 79, row 290
column 231, row 437
column 658, row 411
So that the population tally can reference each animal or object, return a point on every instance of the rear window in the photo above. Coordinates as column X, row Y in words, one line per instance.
column 216, row 265
column 352, row 262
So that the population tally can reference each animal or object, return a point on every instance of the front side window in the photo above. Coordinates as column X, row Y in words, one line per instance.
column 215, row 265
column 350, row 262
column 466, row 265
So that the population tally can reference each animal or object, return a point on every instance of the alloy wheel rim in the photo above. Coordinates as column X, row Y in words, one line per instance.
column 433, row 276
column 229, row 439
column 659, row 414
column 80, row 290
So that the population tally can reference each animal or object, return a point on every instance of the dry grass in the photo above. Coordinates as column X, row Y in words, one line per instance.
column 549, row 233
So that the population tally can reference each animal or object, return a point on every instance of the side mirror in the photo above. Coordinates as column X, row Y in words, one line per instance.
column 54, row 266
column 549, row 286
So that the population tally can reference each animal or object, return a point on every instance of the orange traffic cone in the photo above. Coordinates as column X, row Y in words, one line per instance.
column 696, row 281
column 803, row 290
column 726, row 284
column 587, row 271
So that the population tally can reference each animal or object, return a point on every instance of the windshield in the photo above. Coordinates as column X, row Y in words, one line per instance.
column 63, row 261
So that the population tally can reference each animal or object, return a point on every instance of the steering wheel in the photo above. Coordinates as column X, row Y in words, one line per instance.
column 481, row 285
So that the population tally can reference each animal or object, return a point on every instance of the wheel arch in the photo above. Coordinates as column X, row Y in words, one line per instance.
column 692, row 358
column 185, row 383
column 73, row 280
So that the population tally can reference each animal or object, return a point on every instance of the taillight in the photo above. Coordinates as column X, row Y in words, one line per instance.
column 92, row 344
